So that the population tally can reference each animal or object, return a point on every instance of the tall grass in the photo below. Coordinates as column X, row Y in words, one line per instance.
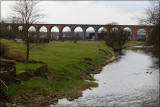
column 3, row 48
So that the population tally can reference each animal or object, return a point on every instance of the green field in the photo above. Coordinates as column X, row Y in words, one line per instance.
column 66, row 65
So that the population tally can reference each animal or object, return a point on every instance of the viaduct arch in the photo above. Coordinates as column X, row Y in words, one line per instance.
column 133, row 28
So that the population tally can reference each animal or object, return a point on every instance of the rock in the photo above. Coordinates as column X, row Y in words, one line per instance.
column 8, row 105
column 55, row 102
column 28, row 73
column 20, row 106
column 14, row 105
column 89, row 63
column 56, row 90
column 7, row 71
column 88, row 59
column 17, row 81
column 2, row 69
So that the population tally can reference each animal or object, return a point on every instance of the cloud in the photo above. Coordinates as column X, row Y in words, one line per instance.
column 5, row 8
column 89, row 12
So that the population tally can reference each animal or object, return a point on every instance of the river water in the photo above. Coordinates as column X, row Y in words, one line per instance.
column 131, row 80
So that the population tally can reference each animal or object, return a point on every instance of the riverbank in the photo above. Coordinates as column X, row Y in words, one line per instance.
column 131, row 80
column 140, row 44
column 129, row 44
column 135, row 43
column 69, row 65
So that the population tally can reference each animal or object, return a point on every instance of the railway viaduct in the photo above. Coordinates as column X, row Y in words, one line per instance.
column 133, row 28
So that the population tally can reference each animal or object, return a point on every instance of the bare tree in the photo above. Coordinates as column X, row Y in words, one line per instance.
column 116, row 37
column 11, row 31
column 27, row 13
column 152, row 14
column 152, row 17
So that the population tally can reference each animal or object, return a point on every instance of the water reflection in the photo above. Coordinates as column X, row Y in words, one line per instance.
column 125, row 82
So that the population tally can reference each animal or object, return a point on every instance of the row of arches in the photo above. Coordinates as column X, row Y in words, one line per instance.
column 54, row 31
column 77, row 29
column 65, row 29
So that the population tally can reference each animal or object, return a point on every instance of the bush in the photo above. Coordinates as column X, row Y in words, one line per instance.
column 154, row 38
column 4, row 51
column 3, row 48
column 44, row 40
column 116, row 39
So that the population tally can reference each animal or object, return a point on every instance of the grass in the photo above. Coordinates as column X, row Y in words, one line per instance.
column 62, row 56
column 36, row 83
column 65, row 63
column 17, row 50
column 20, row 66
column 135, row 43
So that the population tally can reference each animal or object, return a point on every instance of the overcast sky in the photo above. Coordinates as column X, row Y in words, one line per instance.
column 87, row 12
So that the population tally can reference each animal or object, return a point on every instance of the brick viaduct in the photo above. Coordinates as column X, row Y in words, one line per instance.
column 133, row 28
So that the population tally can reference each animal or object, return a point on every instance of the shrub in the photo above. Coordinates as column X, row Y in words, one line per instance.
column 44, row 40
column 3, row 48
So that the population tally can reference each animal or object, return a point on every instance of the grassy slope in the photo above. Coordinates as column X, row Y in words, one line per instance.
column 62, row 56
column 65, row 63
column 18, row 49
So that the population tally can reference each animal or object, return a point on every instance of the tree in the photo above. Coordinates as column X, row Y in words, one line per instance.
column 11, row 31
column 75, row 36
column 152, row 17
column 3, row 29
column 116, row 37
column 152, row 14
column 154, row 38
column 27, row 13
column 14, row 32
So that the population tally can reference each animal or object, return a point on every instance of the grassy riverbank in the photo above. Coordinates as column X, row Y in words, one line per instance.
column 135, row 43
column 69, row 64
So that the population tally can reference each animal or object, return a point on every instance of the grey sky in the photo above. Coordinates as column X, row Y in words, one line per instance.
column 87, row 12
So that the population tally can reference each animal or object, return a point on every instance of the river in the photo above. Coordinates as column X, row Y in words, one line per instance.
column 131, row 80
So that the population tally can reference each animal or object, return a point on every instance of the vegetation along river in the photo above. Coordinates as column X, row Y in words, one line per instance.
column 131, row 80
